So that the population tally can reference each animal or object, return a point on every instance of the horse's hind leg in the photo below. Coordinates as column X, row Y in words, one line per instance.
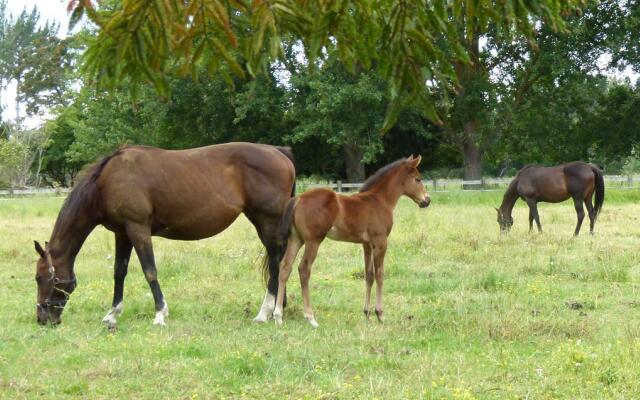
column 368, row 276
column 293, row 246
column 592, row 213
column 304, row 270
column 266, row 227
column 379, row 250
column 123, row 253
column 140, row 236
column 580, row 212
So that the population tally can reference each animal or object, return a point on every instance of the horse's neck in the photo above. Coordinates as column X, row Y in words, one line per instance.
column 388, row 191
column 510, row 197
column 68, row 238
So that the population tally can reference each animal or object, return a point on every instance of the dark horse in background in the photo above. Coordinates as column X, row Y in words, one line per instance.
column 139, row 192
column 576, row 180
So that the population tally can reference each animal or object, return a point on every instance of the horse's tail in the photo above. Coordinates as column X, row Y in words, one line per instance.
column 270, row 270
column 289, row 154
column 599, row 189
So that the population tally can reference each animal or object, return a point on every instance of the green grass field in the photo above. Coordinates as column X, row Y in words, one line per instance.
column 469, row 314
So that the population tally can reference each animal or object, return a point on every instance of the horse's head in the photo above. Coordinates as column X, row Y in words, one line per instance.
column 55, row 284
column 412, row 184
column 505, row 221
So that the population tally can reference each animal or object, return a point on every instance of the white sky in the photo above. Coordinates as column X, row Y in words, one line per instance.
column 50, row 10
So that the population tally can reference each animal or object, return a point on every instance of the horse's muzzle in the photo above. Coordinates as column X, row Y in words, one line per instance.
column 425, row 203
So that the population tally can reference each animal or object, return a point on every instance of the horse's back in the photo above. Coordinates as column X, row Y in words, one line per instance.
column 556, row 183
column 195, row 192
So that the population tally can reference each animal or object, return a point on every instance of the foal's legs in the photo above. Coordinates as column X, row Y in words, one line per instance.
column 293, row 246
column 577, row 201
column 368, row 276
column 140, row 236
column 379, row 250
column 123, row 253
column 533, row 209
column 304, row 270
column 592, row 213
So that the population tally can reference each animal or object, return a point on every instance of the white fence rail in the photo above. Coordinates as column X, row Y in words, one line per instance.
column 480, row 185
column 434, row 185
column 34, row 192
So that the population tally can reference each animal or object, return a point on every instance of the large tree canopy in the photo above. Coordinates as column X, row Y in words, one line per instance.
column 410, row 43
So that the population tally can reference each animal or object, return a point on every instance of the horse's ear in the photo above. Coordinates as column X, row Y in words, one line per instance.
column 39, row 248
column 414, row 161
column 497, row 210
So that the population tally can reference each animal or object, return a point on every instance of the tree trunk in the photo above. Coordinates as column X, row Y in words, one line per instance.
column 471, row 154
column 353, row 162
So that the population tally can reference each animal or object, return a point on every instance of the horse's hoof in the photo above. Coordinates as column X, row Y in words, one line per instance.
column 379, row 315
column 161, row 315
column 313, row 323
column 260, row 319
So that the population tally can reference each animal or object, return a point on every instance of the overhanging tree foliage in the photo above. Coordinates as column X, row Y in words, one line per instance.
column 408, row 42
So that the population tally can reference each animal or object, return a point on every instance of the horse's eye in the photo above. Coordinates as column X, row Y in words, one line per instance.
column 418, row 180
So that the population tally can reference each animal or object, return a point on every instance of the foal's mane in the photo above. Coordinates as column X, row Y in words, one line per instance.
column 83, row 195
column 379, row 174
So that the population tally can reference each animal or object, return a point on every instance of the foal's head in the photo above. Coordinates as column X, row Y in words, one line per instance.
column 54, row 287
column 412, row 183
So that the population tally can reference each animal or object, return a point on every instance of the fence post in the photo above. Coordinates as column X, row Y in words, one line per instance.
column 435, row 184
column 339, row 186
column 629, row 180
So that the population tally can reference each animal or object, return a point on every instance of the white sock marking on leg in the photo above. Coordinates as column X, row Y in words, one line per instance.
column 266, row 310
column 160, row 315
column 110, row 318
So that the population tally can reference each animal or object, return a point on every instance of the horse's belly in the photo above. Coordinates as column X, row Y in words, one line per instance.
column 342, row 236
column 194, row 228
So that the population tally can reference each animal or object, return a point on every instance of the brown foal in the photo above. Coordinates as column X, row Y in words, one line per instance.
column 365, row 217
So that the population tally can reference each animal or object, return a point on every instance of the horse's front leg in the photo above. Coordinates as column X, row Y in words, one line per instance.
column 533, row 210
column 121, row 264
column 140, row 236
column 379, row 250
column 530, row 219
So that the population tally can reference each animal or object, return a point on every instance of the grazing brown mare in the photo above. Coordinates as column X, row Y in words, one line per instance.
column 365, row 217
column 139, row 192
column 576, row 180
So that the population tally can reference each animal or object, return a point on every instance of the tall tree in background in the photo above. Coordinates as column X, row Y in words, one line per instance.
column 420, row 48
column 34, row 59
column 345, row 111
column 38, row 64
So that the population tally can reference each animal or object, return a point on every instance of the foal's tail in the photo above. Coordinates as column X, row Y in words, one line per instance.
column 599, row 189
column 284, row 228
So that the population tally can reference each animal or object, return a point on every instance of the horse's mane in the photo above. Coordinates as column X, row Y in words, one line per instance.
column 83, row 195
column 379, row 174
